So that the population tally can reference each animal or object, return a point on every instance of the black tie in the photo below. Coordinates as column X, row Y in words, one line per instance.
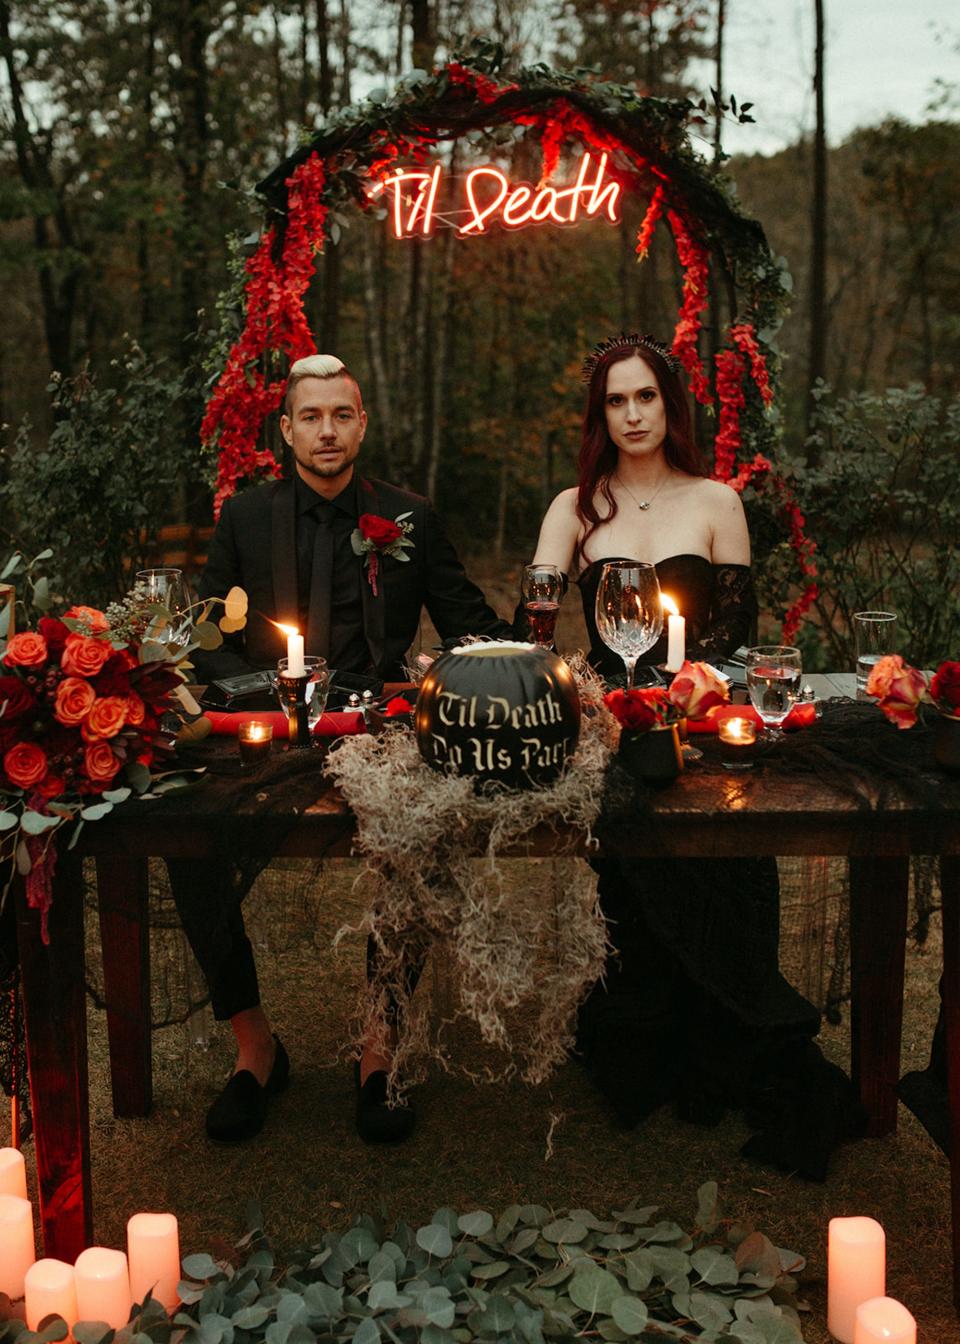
column 321, row 587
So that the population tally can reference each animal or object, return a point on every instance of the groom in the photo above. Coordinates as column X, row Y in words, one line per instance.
column 288, row 545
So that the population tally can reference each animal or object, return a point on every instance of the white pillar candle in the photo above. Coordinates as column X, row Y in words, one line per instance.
column 103, row 1286
column 676, row 643
column 883, row 1320
column 295, row 664
column 13, row 1173
column 17, row 1252
column 856, row 1271
column 153, row 1249
column 50, row 1291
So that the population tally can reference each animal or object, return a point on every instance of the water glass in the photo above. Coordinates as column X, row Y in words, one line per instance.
column 541, row 589
column 773, row 682
column 629, row 612
column 168, row 589
column 875, row 633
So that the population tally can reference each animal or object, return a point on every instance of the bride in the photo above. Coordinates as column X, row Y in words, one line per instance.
column 693, row 1008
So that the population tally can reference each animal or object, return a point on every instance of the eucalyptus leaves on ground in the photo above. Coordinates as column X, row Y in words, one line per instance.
column 530, row 1276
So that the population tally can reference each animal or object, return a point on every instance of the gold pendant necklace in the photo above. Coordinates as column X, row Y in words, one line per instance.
column 644, row 504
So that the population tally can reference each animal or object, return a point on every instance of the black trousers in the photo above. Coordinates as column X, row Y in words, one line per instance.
column 210, row 908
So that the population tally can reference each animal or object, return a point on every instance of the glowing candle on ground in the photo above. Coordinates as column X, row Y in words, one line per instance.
column 153, row 1249
column 13, row 1173
column 676, row 634
column 883, row 1320
column 17, row 1252
column 103, row 1286
column 51, row 1290
column 856, row 1271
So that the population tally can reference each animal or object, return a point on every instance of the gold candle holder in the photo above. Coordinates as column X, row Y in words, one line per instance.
column 254, row 738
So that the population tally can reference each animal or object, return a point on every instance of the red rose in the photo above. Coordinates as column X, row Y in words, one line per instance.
column 83, row 656
column 697, row 688
column 25, row 764
column 52, row 786
column 637, row 709
column 27, row 649
column 100, row 763
column 897, row 688
column 379, row 531
column 54, row 632
column 94, row 620
column 945, row 687
column 15, row 699
column 74, row 701
column 115, row 677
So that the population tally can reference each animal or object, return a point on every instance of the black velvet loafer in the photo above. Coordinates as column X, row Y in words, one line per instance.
column 241, row 1108
column 376, row 1121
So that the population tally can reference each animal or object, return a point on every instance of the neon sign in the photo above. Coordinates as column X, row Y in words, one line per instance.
column 489, row 198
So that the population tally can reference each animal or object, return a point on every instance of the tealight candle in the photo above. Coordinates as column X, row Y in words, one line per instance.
column 739, row 736
column 856, row 1271
column 13, row 1173
column 883, row 1320
column 17, row 1252
column 50, row 1290
column 254, row 738
column 153, row 1249
column 103, row 1286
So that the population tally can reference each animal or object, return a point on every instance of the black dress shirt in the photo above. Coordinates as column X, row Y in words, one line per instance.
column 349, row 651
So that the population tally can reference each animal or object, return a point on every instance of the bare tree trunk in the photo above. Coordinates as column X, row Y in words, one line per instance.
column 280, row 77
column 817, row 359
column 192, row 155
column 325, row 75
column 423, row 35
column 718, row 62
column 58, row 279
column 375, row 350
column 346, row 65
column 713, row 323
column 442, row 354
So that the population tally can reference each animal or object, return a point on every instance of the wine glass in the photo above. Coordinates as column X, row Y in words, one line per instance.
column 315, row 691
column 629, row 613
column 541, row 590
column 168, row 589
column 773, row 681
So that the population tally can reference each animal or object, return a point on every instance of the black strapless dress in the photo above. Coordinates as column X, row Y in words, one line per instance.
column 694, row 1009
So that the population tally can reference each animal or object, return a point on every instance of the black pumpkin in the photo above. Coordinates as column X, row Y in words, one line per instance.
column 508, row 714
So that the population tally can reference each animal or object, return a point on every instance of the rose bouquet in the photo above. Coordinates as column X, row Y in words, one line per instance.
column 900, row 689
column 82, row 705
column 695, row 689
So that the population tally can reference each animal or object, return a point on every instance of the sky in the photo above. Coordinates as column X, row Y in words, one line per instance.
column 882, row 57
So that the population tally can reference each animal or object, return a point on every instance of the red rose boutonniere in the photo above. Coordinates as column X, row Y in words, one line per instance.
column 375, row 536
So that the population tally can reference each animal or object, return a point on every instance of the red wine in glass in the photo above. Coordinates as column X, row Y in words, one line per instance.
column 542, row 618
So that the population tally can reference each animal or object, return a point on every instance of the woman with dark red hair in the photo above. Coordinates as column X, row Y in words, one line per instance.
column 693, row 1008
column 643, row 495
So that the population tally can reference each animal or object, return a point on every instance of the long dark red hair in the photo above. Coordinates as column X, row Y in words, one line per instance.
column 598, row 452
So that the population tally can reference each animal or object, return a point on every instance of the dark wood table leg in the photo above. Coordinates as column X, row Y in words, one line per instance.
column 950, row 891
column 878, row 935
column 54, row 1006
column 122, row 894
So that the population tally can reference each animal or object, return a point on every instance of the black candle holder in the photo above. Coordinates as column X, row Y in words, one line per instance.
column 292, row 694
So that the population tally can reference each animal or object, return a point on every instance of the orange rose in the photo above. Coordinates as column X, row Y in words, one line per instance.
column 136, row 712
column 28, row 649
column 74, row 701
column 107, row 717
column 100, row 763
column 25, row 764
column 697, row 688
column 897, row 689
column 94, row 620
column 83, row 656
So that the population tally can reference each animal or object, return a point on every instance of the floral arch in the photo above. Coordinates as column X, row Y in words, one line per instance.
column 647, row 146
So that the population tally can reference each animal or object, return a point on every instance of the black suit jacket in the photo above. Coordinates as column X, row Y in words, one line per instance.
column 254, row 547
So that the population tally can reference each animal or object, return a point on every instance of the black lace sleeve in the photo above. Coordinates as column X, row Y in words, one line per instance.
column 733, row 613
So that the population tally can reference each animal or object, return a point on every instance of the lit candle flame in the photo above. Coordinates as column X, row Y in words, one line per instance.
column 287, row 629
column 668, row 604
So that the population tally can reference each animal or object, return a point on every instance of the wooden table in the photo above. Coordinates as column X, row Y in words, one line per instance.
column 701, row 815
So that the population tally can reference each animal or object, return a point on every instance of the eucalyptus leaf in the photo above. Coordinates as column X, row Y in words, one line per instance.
column 8, row 819
column 594, row 1289
column 534, row 1215
column 96, row 811
column 250, row 1318
column 639, row 1216
column 138, row 775
column 367, row 1332
column 383, row 1296
column 435, row 1240
column 35, row 823
column 709, row 1310
column 640, row 1267
column 609, row 1330
column 490, row 1271
column 507, row 1222
column 206, row 635
column 555, row 1276
column 93, row 1332
column 714, row 1265
column 55, row 1329
column 235, row 603
column 564, row 1230
column 438, row 1307
column 497, row 1316
column 116, row 795
column 359, row 1243
column 525, row 1238
column 382, row 1267
column 323, row 1299
column 476, row 1224
column 664, row 1231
